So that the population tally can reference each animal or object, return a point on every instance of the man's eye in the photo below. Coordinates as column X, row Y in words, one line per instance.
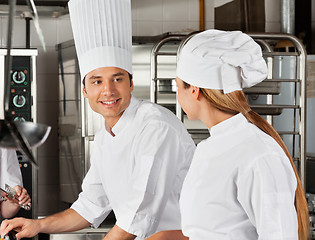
column 117, row 79
column 96, row 82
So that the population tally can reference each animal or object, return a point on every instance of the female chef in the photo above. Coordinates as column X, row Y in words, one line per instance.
column 242, row 183
column 10, row 174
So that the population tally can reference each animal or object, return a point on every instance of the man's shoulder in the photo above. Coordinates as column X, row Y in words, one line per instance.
column 148, row 112
column 158, row 118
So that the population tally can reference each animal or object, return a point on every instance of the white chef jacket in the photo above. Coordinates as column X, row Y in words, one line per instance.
column 10, row 172
column 139, row 172
column 240, row 186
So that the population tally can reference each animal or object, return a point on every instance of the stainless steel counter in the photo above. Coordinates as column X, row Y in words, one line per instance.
column 84, row 234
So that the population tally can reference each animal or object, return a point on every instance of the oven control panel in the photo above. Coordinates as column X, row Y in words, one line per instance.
column 20, row 106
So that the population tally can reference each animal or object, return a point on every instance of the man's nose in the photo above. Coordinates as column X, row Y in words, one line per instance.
column 108, row 88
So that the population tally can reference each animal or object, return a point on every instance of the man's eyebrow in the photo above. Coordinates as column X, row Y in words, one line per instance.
column 114, row 75
column 95, row 77
column 118, row 74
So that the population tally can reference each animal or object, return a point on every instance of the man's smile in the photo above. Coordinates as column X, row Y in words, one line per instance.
column 111, row 102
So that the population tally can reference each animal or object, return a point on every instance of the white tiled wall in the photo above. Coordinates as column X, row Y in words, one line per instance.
column 152, row 17
column 149, row 17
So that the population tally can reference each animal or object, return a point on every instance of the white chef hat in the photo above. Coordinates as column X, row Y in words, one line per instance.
column 102, row 33
column 216, row 59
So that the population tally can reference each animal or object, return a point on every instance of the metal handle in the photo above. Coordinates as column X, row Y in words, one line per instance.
column 12, row 4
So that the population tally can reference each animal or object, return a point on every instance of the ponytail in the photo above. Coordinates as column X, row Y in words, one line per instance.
column 300, row 200
column 236, row 102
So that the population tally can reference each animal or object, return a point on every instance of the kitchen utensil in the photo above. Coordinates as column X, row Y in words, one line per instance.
column 10, row 194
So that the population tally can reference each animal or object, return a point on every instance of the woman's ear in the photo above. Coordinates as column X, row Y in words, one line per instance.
column 196, row 92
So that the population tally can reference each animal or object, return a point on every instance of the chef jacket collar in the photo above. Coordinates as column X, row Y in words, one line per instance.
column 127, row 116
column 228, row 125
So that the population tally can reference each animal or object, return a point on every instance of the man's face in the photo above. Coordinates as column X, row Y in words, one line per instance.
column 108, row 90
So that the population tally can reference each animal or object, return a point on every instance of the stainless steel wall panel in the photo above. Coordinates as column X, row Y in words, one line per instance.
column 69, row 87
column 71, row 177
column 67, row 58
column 69, row 114
column 71, row 146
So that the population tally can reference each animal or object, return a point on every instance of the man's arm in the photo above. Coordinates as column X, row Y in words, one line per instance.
column 66, row 221
column 116, row 233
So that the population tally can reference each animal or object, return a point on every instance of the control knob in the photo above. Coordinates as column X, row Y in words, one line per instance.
column 19, row 100
column 18, row 77
column 19, row 119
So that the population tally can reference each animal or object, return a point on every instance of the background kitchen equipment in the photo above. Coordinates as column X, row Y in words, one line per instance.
column 11, row 135
column 22, row 107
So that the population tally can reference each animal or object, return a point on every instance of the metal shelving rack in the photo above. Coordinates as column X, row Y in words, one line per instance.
column 155, row 53
column 269, row 89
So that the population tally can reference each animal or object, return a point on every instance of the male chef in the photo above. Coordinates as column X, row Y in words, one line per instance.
column 141, row 154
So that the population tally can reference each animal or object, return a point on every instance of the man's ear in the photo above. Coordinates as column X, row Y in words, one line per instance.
column 196, row 92
column 131, row 84
column 84, row 92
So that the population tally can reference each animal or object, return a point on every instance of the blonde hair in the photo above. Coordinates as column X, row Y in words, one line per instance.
column 236, row 102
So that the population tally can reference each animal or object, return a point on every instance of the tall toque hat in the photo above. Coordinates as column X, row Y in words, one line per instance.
column 102, row 33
